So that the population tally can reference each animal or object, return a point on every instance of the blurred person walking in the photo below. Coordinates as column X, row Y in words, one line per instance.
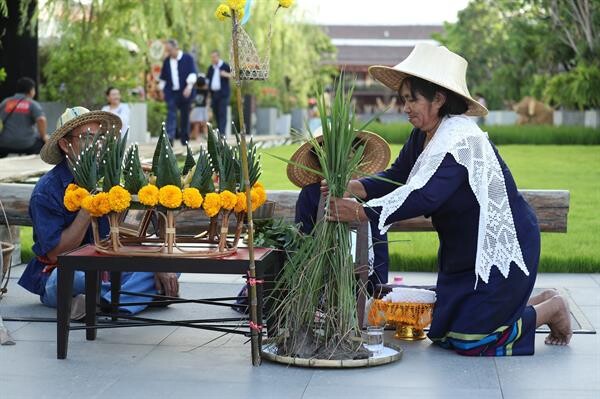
column 23, row 121
column 177, row 79
column 218, row 76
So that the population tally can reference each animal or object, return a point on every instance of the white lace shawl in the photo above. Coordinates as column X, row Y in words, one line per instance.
column 497, row 242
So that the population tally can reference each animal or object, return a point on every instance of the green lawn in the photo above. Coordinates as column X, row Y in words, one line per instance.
column 573, row 168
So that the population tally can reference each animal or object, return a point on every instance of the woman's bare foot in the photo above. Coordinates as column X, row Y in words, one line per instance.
column 542, row 297
column 555, row 313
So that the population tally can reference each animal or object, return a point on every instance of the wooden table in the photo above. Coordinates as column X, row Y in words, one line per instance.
column 268, row 263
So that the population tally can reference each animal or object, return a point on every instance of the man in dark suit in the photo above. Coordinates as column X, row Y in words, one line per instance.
column 177, row 79
column 218, row 76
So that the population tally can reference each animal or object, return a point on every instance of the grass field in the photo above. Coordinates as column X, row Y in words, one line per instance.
column 397, row 133
column 573, row 168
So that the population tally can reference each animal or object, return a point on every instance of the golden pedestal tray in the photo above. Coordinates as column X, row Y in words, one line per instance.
column 409, row 318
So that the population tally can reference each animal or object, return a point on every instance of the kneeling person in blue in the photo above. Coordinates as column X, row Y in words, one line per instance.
column 56, row 229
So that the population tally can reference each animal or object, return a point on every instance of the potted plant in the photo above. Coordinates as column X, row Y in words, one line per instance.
column 267, row 111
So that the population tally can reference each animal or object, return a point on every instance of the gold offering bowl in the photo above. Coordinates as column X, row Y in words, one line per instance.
column 409, row 318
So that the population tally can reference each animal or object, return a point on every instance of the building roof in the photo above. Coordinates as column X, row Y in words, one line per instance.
column 359, row 46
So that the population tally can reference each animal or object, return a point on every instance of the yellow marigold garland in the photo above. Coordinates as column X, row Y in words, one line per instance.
column 236, row 4
column 286, row 3
column 97, row 205
column 73, row 197
column 148, row 195
column 192, row 198
column 223, row 12
column 262, row 194
column 212, row 204
column 228, row 200
column 254, row 199
column 119, row 199
column 170, row 196
column 240, row 205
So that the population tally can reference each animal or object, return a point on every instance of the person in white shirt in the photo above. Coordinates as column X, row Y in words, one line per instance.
column 218, row 75
column 115, row 106
column 177, row 79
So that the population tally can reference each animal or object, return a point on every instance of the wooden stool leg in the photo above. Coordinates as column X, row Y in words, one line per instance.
column 63, row 310
column 91, row 294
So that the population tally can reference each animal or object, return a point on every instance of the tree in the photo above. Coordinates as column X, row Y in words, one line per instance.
column 295, row 50
column 515, row 47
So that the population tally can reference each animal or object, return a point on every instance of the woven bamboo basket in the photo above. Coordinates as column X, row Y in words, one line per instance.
column 214, row 243
column 252, row 65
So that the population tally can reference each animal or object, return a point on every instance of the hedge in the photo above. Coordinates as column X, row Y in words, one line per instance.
column 397, row 133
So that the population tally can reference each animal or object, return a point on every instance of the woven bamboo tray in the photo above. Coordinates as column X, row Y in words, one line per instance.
column 392, row 352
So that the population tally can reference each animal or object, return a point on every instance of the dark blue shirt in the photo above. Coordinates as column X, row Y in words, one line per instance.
column 185, row 66
column 225, row 90
column 50, row 217
column 448, row 199
column 306, row 213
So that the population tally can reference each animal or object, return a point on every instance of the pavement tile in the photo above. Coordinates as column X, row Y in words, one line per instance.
column 565, row 280
column 420, row 367
column 226, row 365
column 393, row 392
column 199, row 387
column 86, row 360
column 553, row 372
column 550, row 393
column 42, row 387
column 584, row 296
column 592, row 313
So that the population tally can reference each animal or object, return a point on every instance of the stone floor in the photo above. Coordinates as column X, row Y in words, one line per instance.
column 159, row 362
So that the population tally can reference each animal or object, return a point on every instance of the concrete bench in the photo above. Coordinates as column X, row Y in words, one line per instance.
column 551, row 208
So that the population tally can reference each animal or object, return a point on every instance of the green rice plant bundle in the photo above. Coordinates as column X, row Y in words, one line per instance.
column 316, row 296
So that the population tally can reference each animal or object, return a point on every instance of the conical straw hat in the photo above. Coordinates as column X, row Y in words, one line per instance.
column 435, row 64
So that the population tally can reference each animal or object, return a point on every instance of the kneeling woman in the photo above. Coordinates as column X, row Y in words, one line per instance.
column 453, row 174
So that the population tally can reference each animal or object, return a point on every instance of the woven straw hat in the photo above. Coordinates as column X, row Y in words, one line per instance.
column 376, row 158
column 69, row 120
column 435, row 64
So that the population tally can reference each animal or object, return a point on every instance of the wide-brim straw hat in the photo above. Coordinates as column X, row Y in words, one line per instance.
column 436, row 64
column 376, row 157
column 69, row 120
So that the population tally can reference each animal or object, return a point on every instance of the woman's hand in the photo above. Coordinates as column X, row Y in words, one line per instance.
column 345, row 210
column 355, row 189
column 167, row 284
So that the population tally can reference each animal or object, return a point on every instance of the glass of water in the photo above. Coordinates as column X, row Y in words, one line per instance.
column 373, row 339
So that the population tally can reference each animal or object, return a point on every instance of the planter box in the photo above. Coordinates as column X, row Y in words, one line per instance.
column 138, row 124
column 53, row 110
column 266, row 120
column 568, row 118
column 501, row 118
column 283, row 125
column 592, row 118
column 299, row 119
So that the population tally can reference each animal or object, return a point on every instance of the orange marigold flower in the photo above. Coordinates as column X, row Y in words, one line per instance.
column 170, row 196
column 148, row 195
column 192, row 198
column 119, row 199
